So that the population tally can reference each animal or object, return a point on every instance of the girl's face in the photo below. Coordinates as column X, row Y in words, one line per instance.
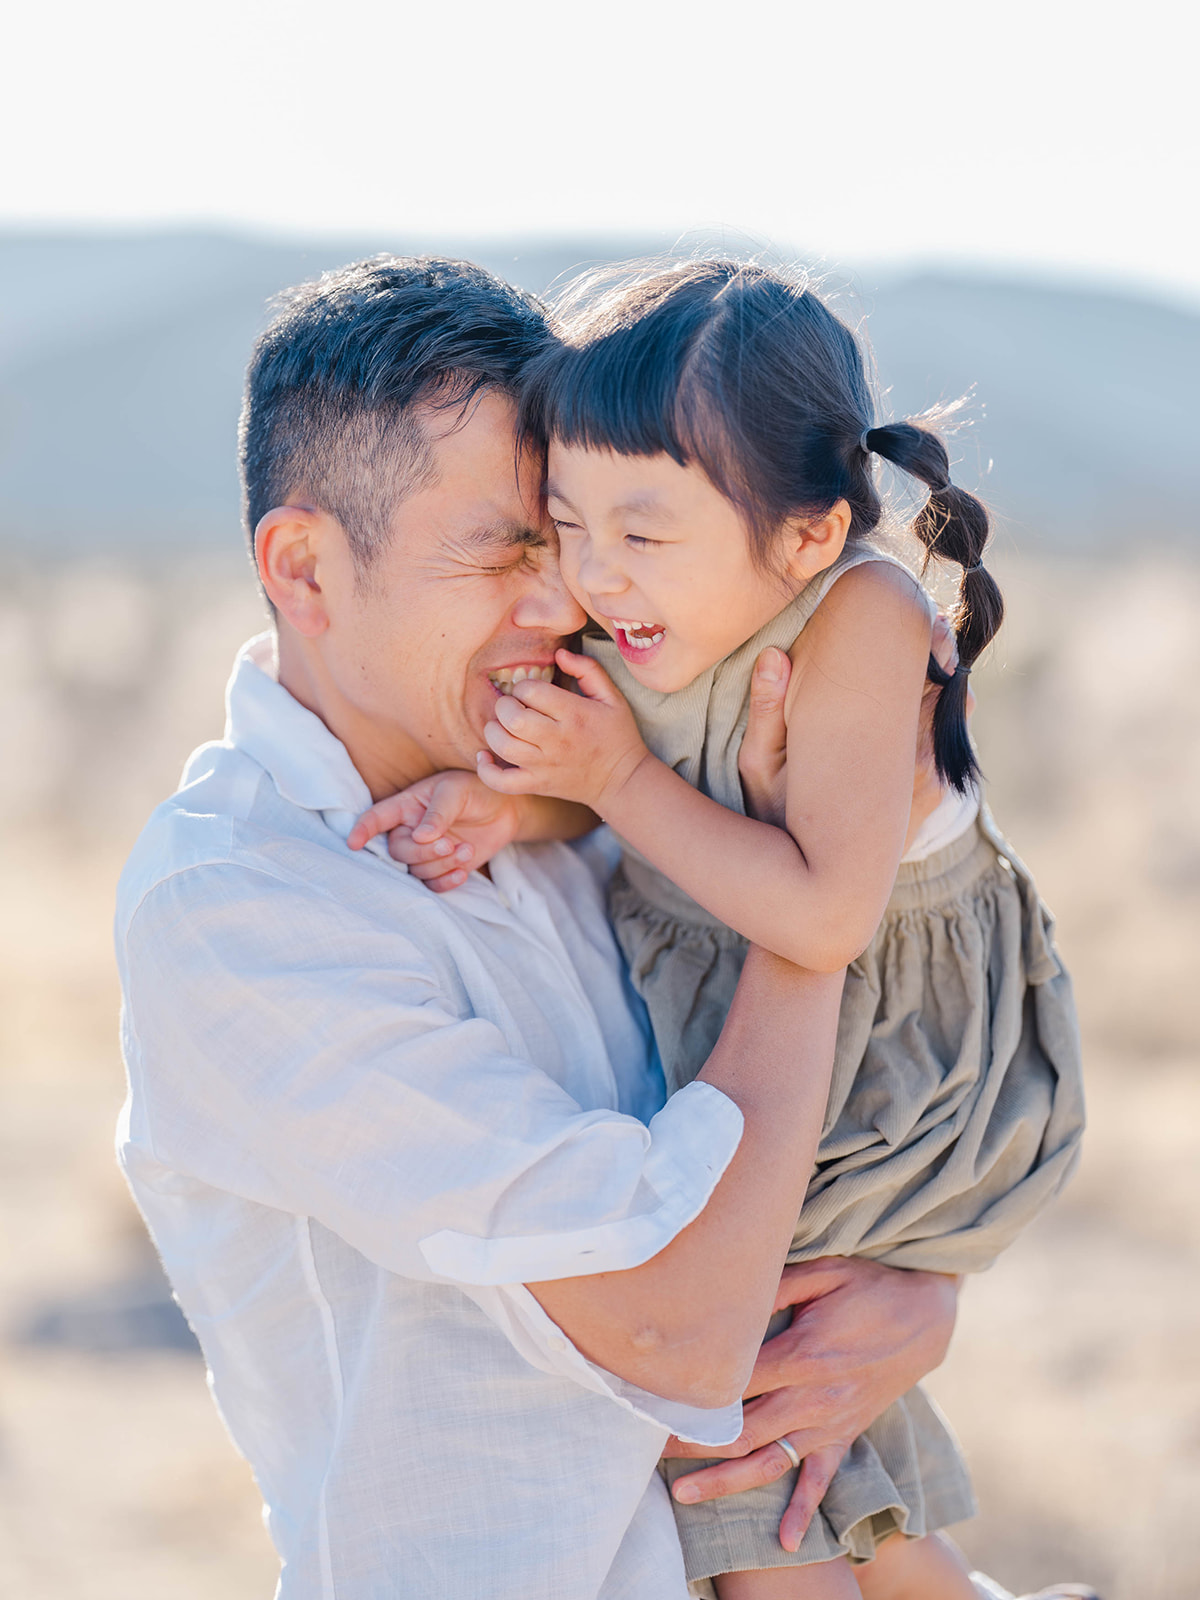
column 662, row 560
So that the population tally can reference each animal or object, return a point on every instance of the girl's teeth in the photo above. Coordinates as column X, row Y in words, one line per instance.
column 629, row 630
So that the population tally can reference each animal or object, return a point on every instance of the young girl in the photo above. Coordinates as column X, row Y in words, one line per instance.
column 710, row 472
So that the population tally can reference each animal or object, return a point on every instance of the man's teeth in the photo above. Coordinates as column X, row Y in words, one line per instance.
column 631, row 629
column 505, row 677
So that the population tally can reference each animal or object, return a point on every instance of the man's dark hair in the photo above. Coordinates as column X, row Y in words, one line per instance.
column 335, row 378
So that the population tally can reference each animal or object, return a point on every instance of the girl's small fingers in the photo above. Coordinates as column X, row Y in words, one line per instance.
column 451, row 880
column 518, row 718
column 396, row 811
column 403, row 847
column 589, row 674
column 503, row 780
column 549, row 698
column 428, row 871
column 432, row 825
column 508, row 746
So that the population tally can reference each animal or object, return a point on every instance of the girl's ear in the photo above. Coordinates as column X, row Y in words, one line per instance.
column 811, row 544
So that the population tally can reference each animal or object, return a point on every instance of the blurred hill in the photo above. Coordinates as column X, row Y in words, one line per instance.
column 121, row 363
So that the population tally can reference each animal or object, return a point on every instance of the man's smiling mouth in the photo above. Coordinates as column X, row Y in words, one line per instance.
column 503, row 678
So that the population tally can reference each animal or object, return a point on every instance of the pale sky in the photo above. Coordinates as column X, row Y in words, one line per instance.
column 1025, row 136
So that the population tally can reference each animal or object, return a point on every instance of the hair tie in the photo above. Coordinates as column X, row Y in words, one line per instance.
column 862, row 440
column 978, row 567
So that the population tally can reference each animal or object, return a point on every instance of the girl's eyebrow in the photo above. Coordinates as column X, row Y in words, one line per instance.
column 553, row 492
column 645, row 503
column 642, row 503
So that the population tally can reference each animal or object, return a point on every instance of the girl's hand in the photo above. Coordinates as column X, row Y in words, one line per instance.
column 441, row 827
column 581, row 747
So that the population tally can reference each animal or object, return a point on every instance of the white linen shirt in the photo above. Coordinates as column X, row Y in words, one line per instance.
column 360, row 1117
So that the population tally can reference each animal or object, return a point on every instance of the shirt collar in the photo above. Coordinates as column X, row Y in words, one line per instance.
column 308, row 764
column 311, row 768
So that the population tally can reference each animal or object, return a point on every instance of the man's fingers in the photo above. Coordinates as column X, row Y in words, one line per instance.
column 792, row 1411
column 732, row 1477
column 768, row 690
column 762, row 760
column 686, row 1450
column 805, row 1281
column 815, row 1475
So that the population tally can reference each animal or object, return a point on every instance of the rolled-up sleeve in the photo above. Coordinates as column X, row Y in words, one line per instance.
column 290, row 1050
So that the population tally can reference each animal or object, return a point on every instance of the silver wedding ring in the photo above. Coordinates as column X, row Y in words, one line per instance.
column 789, row 1451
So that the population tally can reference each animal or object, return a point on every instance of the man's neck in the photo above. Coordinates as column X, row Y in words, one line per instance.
column 385, row 759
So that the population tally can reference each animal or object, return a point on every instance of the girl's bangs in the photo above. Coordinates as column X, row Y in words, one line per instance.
column 636, row 392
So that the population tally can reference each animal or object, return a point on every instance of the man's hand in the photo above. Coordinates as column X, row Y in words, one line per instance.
column 762, row 760
column 441, row 827
column 861, row 1336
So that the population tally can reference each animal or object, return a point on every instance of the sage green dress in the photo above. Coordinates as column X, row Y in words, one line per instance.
column 956, row 1105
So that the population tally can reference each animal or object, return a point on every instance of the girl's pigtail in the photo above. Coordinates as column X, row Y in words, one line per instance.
column 953, row 526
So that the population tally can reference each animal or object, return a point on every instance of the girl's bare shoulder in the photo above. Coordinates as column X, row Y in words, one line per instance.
column 874, row 606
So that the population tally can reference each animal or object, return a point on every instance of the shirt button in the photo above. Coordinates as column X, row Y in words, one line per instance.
column 557, row 1342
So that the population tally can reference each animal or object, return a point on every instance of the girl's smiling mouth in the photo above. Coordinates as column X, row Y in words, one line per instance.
column 637, row 641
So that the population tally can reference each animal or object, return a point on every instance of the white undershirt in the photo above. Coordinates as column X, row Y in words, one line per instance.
column 949, row 821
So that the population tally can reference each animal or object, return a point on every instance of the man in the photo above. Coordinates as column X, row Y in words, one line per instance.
column 453, row 1291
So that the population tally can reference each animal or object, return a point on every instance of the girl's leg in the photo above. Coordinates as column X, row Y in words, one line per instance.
column 820, row 1580
column 916, row 1569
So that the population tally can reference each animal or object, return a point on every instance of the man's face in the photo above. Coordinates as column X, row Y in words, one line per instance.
column 466, row 590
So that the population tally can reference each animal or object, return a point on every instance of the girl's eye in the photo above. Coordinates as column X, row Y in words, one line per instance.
column 566, row 527
column 639, row 542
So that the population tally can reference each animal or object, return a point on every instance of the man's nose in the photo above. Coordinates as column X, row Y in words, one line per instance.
column 548, row 604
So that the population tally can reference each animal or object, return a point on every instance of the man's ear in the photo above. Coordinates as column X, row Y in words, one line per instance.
column 288, row 548
column 813, row 544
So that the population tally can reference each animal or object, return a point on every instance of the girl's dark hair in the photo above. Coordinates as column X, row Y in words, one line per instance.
column 744, row 371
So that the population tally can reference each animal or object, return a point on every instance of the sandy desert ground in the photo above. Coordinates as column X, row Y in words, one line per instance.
column 1074, row 1378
